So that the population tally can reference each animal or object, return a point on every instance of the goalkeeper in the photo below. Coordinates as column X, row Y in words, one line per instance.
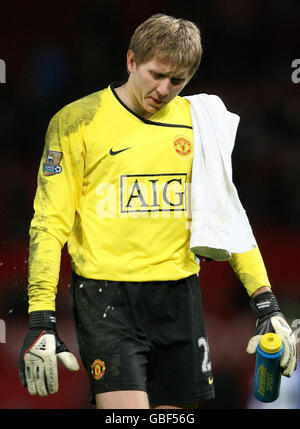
column 112, row 185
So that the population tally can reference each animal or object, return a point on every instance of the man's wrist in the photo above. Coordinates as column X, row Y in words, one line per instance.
column 264, row 304
column 42, row 319
column 261, row 290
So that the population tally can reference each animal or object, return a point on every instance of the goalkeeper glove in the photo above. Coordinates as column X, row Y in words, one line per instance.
column 38, row 358
column 270, row 319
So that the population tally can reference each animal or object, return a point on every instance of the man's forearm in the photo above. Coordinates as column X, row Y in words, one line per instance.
column 261, row 290
column 43, row 266
column 250, row 269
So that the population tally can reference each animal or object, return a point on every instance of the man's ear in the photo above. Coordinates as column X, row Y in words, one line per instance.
column 131, row 64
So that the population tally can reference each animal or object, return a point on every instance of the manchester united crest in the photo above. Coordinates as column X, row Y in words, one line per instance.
column 182, row 146
column 97, row 369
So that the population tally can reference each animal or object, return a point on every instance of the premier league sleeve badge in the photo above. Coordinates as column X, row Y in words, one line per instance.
column 52, row 165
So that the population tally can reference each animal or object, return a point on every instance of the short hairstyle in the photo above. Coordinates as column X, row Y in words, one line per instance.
column 173, row 41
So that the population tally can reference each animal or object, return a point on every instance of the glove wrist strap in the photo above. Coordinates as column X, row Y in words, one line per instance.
column 264, row 303
column 42, row 319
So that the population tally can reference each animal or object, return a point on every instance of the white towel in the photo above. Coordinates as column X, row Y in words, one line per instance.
column 219, row 225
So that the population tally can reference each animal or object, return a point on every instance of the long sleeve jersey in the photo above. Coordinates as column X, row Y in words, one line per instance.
column 115, row 188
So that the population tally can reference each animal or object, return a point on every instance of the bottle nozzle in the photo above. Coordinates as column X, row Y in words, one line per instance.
column 270, row 343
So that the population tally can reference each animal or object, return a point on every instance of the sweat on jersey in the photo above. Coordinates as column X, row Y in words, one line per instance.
column 115, row 188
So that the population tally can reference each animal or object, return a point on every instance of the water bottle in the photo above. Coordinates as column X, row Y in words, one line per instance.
column 267, row 370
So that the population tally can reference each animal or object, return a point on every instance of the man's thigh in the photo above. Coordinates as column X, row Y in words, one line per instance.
column 122, row 399
column 181, row 371
column 114, row 351
column 132, row 399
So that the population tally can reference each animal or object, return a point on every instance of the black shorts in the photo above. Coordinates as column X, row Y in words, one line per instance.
column 147, row 336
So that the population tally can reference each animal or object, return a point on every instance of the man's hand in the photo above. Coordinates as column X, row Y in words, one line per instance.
column 38, row 359
column 270, row 319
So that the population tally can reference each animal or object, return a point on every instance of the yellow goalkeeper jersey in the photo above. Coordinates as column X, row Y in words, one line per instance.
column 115, row 187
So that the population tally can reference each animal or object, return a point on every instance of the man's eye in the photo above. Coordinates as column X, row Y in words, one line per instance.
column 176, row 81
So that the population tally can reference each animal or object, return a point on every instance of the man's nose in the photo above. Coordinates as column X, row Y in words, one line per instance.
column 163, row 88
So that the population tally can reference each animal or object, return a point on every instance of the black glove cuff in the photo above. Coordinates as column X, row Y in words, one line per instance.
column 42, row 319
column 264, row 303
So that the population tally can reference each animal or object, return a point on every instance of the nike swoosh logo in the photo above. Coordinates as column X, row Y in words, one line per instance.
column 112, row 152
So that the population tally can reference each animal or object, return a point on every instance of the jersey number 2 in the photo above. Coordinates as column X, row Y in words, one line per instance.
column 206, row 364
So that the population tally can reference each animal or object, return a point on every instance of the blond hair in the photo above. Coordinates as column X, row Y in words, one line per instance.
column 173, row 41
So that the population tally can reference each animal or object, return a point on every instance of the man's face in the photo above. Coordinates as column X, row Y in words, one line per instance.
column 154, row 84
